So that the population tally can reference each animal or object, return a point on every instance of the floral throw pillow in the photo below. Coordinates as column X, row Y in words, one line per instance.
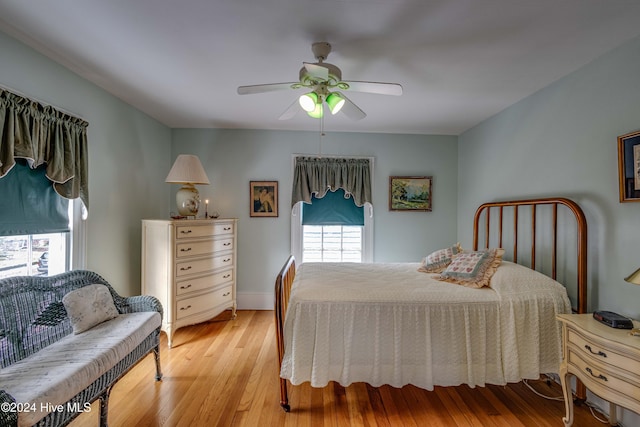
column 473, row 269
column 437, row 261
column 89, row 306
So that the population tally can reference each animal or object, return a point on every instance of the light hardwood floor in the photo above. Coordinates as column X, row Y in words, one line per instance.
column 224, row 373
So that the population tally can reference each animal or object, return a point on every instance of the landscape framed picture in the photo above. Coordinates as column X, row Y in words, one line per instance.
column 410, row 193
column 264, row 198
column 629, row 167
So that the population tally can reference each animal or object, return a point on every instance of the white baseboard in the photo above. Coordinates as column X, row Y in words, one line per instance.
column 255, row 301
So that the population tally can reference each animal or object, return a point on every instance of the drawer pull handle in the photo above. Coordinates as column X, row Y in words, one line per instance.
column 226, row 260
column 185, row 268
column 600, row 377
column 185, row 308
column 227, row 228
column 185, row 287
column 185, row 249
column 226, row 276
column 226, row 244
column 185, row 231
column 226, row 294
column 599, row 353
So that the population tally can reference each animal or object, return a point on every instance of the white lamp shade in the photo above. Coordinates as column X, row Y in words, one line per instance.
column 187, row 169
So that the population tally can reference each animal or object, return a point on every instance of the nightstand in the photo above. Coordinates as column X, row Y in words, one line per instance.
column 605, row 359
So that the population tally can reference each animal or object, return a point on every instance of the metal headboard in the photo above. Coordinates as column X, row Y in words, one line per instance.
column 485, row 211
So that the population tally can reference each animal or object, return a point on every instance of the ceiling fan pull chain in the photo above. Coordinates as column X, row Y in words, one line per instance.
column 321, row 134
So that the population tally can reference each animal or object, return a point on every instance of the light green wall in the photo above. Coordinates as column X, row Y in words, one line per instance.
column 563, row 141
column 232, row 158
column 129, row 156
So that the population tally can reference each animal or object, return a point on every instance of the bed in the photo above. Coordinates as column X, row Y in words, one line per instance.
column 394, row 323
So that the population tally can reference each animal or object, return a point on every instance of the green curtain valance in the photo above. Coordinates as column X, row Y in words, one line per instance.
column 317, row 175
column 43, row 135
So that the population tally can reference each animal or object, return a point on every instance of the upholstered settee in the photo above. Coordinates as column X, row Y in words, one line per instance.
column 64, row 342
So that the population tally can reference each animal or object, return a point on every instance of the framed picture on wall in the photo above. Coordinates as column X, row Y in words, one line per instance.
column 264, row 198
column 629, row 167
column 410, row 193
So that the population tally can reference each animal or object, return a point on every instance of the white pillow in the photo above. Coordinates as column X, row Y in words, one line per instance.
column 89, row 306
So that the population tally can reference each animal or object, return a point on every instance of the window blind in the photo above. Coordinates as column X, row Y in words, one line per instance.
column 29, row 203
column 332, row 209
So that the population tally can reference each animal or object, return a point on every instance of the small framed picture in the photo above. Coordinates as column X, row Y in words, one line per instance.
column 264, row 198
column 629, row 167
column 410, row 193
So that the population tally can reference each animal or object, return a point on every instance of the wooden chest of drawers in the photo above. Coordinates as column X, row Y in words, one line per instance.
column 605, row 359
column 190, row 266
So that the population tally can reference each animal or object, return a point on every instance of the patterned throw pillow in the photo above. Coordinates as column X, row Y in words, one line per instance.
column 473, row 269
column 89, row 306
column 437, row 261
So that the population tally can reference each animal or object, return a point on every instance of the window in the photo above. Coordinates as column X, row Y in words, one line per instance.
column 44, row 254
column 38, row 227
column 332, row 243
column 327, row 248
column 33, row 255
column 332, row 228
column 43, row 166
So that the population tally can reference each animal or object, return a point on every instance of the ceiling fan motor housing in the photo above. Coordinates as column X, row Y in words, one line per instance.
column 335, row 75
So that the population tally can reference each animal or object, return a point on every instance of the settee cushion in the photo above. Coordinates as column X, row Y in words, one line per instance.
column 60, row 371
column 89, row 306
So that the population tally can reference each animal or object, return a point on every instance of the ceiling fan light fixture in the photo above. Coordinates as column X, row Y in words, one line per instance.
column 317, row 112
column 308, row 101
column 319, row 78
column 336, row 101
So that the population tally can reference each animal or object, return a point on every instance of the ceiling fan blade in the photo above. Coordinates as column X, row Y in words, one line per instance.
column 375, row 87
column 291, row 111
column 271, row 87
column 317, row 71
column 351, row 110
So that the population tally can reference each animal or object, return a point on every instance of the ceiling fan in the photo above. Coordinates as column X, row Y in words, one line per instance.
column 322, row 79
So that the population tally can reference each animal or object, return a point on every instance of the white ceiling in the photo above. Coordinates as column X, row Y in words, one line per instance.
column 459, row 61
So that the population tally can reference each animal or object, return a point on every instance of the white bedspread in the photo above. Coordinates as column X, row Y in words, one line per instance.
column 390, row 324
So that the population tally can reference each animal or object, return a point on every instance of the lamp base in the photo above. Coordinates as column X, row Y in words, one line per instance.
column 188, row 200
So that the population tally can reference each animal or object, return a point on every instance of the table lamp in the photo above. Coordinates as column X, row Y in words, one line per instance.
column 187, row 170
column 635, row 279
